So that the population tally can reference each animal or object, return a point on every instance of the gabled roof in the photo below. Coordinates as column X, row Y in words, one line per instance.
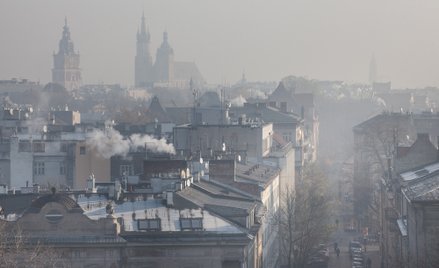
column 281, row 93
column 156, row 111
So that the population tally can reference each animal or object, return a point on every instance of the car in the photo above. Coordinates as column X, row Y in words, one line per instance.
column 355, row 247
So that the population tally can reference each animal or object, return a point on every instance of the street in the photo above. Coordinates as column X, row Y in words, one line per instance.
column 344, row 260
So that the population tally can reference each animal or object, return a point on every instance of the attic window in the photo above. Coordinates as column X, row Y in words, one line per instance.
column 54, row 216
column 149, row 224
column 191, row 224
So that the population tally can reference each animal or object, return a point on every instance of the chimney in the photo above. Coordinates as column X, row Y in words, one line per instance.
column 222, row 170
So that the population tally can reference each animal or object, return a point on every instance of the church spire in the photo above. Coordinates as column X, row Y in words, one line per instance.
column 66, row 71
column 143, row 24
column 143, row 33
column 143, row 59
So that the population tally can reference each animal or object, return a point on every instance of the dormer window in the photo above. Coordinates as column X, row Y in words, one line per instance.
column 149, row 224
column 191, row 224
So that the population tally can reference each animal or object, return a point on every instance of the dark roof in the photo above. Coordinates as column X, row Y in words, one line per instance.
column 281, row 92
column 179, row 115
column 17, row 203
column 210, row 99
column 383, row 119
column 62, row 199
column 156, row 111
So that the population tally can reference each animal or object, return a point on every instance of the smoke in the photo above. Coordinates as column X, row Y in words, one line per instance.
column 238, row 101
column 110, row 142
column 36, row 126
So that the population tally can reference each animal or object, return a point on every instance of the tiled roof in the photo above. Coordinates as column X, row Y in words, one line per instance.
column 63, row 199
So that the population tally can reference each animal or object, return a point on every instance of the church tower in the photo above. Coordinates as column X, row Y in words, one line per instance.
column 66, row 71
column 143, row 61
column 164, row 63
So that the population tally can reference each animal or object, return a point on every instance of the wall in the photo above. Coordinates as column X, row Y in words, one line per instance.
column 88, row 163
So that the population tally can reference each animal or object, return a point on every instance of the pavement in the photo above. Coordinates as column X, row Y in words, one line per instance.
column 344, row 260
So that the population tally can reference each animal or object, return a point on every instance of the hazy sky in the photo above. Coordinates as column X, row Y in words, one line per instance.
column 323, row 39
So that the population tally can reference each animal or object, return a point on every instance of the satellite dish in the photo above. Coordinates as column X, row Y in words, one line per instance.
column 11, row 111
column 201, row 160
column 45, row 129
column 239, row 158
column 224, row 147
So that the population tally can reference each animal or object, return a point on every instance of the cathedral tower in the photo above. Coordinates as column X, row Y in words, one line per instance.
column 143, row 61
column 164, row 63
column 66, row 71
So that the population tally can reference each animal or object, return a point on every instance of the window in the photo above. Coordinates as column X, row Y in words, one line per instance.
column 62, row 168
column 63, row 147
column 82, row 150
column 191, row 224
column 24, row 146
column 126, row 170
column 39, row 147
column 39, row 168
column 149, row 224
column 231, row 264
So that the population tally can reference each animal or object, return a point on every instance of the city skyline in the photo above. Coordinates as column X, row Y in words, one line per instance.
column 327, row 41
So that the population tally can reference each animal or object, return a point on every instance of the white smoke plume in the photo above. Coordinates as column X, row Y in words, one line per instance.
column 36, row 126
column 238, row 101
column 110, row 142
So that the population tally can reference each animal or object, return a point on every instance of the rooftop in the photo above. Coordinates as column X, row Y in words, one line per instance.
column 422, row 184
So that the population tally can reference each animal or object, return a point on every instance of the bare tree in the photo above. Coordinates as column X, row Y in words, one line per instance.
column 304, row 218
column 20, row 250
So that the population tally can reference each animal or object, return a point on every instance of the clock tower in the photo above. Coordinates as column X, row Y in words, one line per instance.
column 66, row 71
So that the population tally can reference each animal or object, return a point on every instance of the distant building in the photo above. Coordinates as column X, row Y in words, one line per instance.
column 66, row 71
column 164, row 72
column 143, row 60
column 302, row 104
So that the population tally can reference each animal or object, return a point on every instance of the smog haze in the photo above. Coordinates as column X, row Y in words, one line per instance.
column 267, row 40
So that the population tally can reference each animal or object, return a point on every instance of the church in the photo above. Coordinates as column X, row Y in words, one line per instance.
column 66, row 71
column 164, row 72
